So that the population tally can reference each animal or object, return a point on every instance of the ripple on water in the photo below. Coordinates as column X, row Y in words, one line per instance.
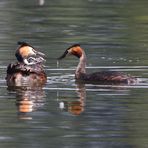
column 68, row 81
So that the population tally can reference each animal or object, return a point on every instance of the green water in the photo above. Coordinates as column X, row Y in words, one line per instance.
column 114, row 34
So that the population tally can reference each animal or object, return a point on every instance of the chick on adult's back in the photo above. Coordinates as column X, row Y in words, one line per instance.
column 28, row 70
column 27, row 54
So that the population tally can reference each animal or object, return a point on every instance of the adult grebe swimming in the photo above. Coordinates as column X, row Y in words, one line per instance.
column 111, row 77
column 28, row 71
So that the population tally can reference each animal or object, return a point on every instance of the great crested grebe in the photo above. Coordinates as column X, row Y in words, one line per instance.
column 28, row 55
column 28, row 71
column 112, row 77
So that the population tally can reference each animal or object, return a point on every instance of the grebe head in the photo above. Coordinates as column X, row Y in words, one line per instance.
column 75, row 50
column 26, row 51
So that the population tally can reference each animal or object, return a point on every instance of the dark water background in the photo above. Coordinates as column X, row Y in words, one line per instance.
column 114, row 34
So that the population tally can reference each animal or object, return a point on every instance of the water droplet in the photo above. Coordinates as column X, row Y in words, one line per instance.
column 57, row 63
column 41, row 2
column 61, row 105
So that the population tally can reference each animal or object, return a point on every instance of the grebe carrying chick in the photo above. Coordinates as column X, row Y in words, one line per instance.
column 28, row 55
column 28, row 71
column 103, row 77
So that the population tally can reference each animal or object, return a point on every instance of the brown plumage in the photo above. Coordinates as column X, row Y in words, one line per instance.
column 104, row 77
column 27, row 54
column 23, row 74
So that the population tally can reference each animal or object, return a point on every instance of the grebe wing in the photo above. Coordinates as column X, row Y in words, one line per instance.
column 108, row 76
column 25, row 69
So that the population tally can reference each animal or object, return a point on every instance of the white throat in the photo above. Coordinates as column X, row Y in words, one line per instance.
column 81, row 68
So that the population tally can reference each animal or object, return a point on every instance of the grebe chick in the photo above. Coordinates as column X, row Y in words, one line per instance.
column 26, row 54
column 104, row 77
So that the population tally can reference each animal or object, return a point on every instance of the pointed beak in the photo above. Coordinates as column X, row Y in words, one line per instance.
column 40, row 53
column 64, row 55
column 41, row 56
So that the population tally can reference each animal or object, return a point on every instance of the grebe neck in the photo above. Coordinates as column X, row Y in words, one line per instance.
column 81, row 68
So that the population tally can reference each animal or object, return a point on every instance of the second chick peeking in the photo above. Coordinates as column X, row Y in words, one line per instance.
column 26, row 54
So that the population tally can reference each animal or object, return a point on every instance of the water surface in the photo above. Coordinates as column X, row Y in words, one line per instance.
column 65, row 114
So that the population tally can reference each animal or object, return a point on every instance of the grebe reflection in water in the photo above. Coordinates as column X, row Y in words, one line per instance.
column 28, row 71
column 112, row 77
column 74, row 105
column 28, row 101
